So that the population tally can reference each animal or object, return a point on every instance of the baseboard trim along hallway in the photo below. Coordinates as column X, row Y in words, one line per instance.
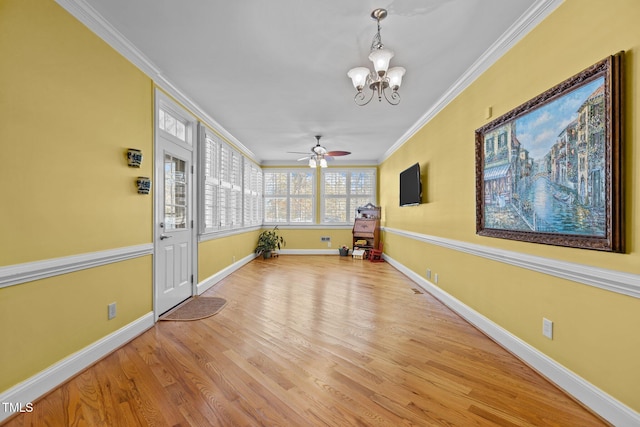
column 597, row 400
column 28, row 391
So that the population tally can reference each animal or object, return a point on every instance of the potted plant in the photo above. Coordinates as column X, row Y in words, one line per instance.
column 268, row 241
column 344, row 250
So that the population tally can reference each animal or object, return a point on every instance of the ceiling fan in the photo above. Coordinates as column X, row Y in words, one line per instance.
column 319, row 155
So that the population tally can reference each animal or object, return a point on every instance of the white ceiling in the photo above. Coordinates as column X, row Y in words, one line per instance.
column 273, row 73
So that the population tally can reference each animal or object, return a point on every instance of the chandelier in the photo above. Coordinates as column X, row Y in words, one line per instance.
column 384, row 78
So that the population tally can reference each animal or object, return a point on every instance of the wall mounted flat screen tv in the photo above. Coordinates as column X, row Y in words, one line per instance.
column 410, row 186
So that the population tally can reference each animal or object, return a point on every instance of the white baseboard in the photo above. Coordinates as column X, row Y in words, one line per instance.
column 38, row 385
column 310, row 252
column 597, row 400
column 611, row 280
column 212, row 280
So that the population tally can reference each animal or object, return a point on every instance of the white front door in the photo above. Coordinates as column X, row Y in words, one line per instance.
column 173, row 263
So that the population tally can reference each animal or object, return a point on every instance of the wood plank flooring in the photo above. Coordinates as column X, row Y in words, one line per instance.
column 311, row 341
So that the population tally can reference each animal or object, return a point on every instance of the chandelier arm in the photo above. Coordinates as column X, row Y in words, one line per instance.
column 395, row 97
column 361, row 99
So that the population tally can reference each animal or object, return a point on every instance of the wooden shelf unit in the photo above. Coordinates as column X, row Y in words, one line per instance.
column 367, row 227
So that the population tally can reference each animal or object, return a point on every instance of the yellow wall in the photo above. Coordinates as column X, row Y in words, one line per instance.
column 218, row 254
column 47, row 320
column 70, row 107
column 310, row 238
column 595, row 331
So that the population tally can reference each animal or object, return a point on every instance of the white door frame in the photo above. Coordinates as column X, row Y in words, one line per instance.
column 162, row 100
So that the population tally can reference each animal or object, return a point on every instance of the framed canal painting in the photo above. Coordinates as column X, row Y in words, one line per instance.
column 550, row 171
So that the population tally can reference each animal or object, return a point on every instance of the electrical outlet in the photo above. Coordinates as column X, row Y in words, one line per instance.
column 111, row 311
column 435, row 278
column 329, row 244
column 428, row 274
column 547, row 328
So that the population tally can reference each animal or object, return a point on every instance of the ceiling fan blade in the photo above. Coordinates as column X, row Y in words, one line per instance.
column 318, row 151
column 338, row 153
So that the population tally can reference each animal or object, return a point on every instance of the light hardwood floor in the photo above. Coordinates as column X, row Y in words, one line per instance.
column 312, row 341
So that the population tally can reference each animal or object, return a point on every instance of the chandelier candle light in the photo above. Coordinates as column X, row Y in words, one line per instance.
column 384, row 77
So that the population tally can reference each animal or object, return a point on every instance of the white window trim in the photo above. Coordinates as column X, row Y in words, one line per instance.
column 236, row 219
column 252, row 215
column 349, row 171
column 288, row 196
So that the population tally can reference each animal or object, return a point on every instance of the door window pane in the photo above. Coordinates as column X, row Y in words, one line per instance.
column 175, row 193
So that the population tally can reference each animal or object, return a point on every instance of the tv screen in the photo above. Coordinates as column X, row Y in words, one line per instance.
column 410, row 186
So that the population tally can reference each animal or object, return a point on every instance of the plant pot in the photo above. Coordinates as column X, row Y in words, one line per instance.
column 344, row 252
column 266, row 254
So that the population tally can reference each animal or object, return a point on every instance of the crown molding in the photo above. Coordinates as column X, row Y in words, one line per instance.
column 532, row 17
column 92, row 19
column 332, row 164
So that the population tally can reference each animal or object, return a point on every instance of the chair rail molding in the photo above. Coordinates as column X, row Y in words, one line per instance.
column 610, row 280
column 30, row 271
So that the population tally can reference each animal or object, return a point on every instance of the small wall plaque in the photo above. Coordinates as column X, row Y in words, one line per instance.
column 144, row 185
column 134, row 157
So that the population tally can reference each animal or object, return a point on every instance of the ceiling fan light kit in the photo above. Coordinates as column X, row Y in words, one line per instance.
column 319, row 155
column 314, row 163
column 383, row 78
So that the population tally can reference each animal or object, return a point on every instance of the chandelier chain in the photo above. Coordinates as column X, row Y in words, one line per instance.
column 376, row 43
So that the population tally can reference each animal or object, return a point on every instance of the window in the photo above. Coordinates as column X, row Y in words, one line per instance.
column 489, row 147
column 175, row 193
column 231, row 187
column 289, row 196
column 252, row 193
column 211, row 180
column 173, row 125
column 343, row 191
column 230, row 196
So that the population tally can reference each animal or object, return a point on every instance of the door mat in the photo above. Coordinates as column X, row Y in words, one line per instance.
column 195, row 308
